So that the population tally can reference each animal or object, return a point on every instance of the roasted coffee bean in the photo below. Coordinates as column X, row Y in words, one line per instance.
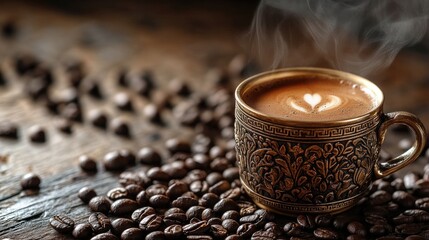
column 148, row 155
column 233, row 193
column 156, row 189
column 120, row 127
column 98, row 118
column 184, row 202
column 159, row 201
column 37, row 134
column 293, row 229
column 213, row 178
column 114, row 161
column 246, row 208
column 306, row 221
column 194, row 212
column 128, row 156
column 326, row 233
column 380, row 197
column 62, row 223
column 233, row 237
column 156, row 235
column 375, row 219
column 100, row 204
column 224, row 205
column 356, row 227
column 230, row 225
column 219, row 164
column 150, row 223
column 246, row 230
column 104, row 236
column 421, row 188
column 123, row 206
column 176, row 170
column 414, row 237
column 273, row 227
column 196, row 228
column 176, row 189
column 355, row 237
column 156, row 173
column 153, row 113
column 9, row 130
column 92, row 88
column 142, row 198
column 196, row 175
column 214, row 220
column 323, row 220
column 173, row 232
column 199, row 237
column 141, row 213
column 404, row 199
column 250, row 219
column 86, row 194
column 422, row 203
column 99, row 222
column 220, row 187
column 207, row 214
column 72, row 112
column 173, row 210
column 208, row 200
column 123, row 101
column 199, row 187
column 30, row 181
column 231, row 214
column 133, row 190
column 218, row 231
column 263, row 235
column 87, row 164
column 341, row 221
column 121, row 224
column 408, row 228
column 410, row 180
column 175, row 145
column 82, row 231
column 380, row 229
column 175, row 218
column 132, row 234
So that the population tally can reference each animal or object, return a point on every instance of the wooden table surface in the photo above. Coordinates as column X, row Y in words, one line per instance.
column 172, row 41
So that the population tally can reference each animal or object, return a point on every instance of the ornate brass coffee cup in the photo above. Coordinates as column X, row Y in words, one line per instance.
column 296, row 167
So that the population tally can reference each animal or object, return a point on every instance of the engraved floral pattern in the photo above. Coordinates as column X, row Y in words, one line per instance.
column 306, row 173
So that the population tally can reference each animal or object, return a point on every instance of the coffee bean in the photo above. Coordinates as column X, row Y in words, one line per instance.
column 141, row 213
column 175, row 218
column 128, row 156
column 8, row 130
column 410, row 180
column 421, row 188
column 306, row 221
column 196, row 228
column 176, row 170
column 231, row 214
column 199, row 187
column 156, row 235
column 232, row 173
column 341, row 221
column 150, row 223
column 230, row 225
column 219, row 164
column 132, row 234
column 152, row 112
column 233, row 237
column 98, row 118
column 87, row 164
column 123, row 101
column 207, row 214
column 104, row 236
column 199, row 237
column 176, row 189
column 86, row 194
column 414, row 237
column 195, row 212
column 422, row 203
column 224, row 205
column 404, row 199
column 100, row 204
column 408, row 228
column 220, row 187
column 208, row 200
column 380, row 229
column 117, row 193
column 246, row 208
column 263, row 235
column 380, row 197
column 82, row 231
column 175, row 145
column 148, row 155
column 72, row 112
column 123, row 206
column 173, row 232
column 325, row 233
column 99, row 222
column 214, row 220
column 246, row 230
column 155, row 173
column 62, row 223
column 120, row 127
column 30, row 181
column 323, row 220
column 213, row 178
column 356, row 227
column 218, row 231
column 156, row 189
column 37, row 134
column 121, row 224
column 159, row 201
column 114, row 161
column 184, row 202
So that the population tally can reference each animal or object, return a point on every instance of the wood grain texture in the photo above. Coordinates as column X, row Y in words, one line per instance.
column 172, row 41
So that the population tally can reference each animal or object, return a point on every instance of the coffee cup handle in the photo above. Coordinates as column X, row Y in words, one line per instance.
column 382, row 169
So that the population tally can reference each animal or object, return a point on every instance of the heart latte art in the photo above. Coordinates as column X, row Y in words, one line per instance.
column 311, row 99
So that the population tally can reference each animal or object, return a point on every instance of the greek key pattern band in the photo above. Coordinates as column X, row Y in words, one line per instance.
column 323, row 133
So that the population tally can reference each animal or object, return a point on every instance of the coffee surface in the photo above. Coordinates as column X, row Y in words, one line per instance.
column 311, row 99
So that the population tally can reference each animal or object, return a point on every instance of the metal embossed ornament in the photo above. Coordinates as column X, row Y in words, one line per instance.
column 294, row 167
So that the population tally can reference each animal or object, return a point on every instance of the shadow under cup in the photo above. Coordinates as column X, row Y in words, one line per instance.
column 293, row 167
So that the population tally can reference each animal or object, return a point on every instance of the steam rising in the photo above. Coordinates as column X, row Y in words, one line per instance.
column 355, row 36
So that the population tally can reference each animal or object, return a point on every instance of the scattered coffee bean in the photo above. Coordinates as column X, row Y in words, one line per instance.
column 82, row 231
column 153, row 113
column 148, row 155
column 196, row 228
column 132, row 234
column 87, row 164
column 64, row 125
column 173, row 231
column 141, row 213
column 246, row 230
column 98, row 118
column 104, row 236
column 175, row 145
column 99, row 222
column 325, row 233
column 100, row 204
column 120, row 127
column 9, row 130
column 86, row 194
column 150, row 223
column 156, row 235
column 37, row 134
column 159, row 201
column 123, row 206
column 123, row 101
column 30, row 181
column 62, row 223
column 121, row 224
column 114, row 161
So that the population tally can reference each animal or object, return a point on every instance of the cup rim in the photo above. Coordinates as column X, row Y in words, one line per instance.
column 284, row 72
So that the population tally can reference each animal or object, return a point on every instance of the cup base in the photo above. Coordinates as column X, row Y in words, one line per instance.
column 294, row 209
